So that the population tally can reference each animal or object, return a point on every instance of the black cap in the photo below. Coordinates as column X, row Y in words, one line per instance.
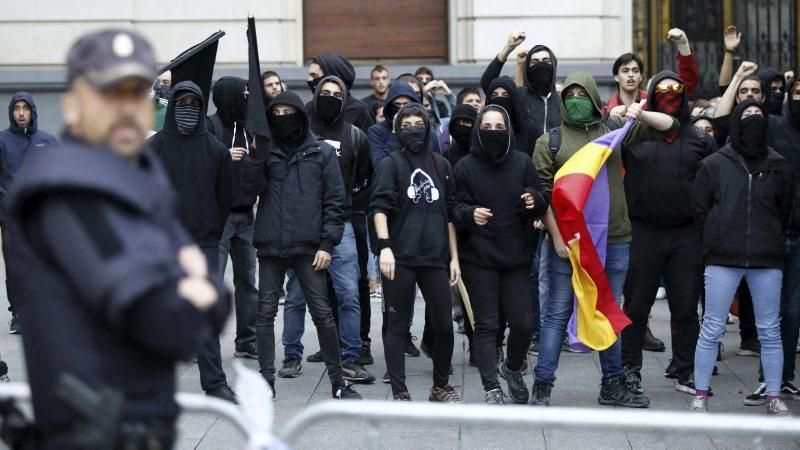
column 108, row 56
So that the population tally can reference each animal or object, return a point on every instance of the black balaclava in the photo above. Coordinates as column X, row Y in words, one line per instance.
column 312, row 84
column 749, row 135
column 462, row 133
column 287, row 127
column 186, row 116
column 415, row 138
column 493, row 146
column 794, row 108
column 161, row 91
column 328, row 108
column 540, row 78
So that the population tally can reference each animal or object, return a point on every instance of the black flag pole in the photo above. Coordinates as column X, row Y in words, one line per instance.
column 256, row 122
column 196, row 64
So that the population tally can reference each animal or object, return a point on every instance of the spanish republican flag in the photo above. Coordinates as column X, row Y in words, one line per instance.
column 581, row 202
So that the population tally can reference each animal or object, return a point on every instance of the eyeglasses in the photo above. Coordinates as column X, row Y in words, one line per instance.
column 663, row 89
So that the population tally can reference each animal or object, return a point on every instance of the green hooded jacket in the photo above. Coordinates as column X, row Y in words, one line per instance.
column 574, row 136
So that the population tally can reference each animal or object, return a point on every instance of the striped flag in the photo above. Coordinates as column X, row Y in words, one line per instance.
column 581, row 202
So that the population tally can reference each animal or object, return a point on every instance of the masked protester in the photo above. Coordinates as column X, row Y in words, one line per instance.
column 775, row 90
column 658, row 179
column 299, row 221
column 352, row 149
column 161, row 88
column 499, row 197
column 411, row 208
column 113, row 290
column 459, row 133
column 199, row 167
column 503, row 92
column 581, row 110
column 743, row 239
column 228, row 125
column 356, row 111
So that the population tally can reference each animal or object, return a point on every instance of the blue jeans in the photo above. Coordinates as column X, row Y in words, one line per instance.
column 544, row 276
column 345, row 272
column 765, row 287
column 558, row 309
column 237, row 241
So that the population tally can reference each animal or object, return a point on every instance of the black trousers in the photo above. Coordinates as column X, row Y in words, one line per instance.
column 492, row 291
column 271, row 273
column 427, row 331
column 676, row 255
column 398, row 296
column 359, row 221
column 747, row 316
column 11, row 307
column 209, row 355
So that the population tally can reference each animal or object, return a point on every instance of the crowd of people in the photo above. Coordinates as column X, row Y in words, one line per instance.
column 411, row 187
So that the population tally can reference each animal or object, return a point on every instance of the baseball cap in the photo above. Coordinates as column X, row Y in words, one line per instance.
column 108, row 56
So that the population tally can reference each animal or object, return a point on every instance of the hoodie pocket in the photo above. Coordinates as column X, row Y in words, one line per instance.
column 422, row 237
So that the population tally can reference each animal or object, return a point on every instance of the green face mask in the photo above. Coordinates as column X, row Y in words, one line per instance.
column 580, row 109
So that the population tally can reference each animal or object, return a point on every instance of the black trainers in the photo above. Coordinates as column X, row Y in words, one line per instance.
column 386, row 379
column 541, row 393
column 633, row 379
column 758, row 397
column 494, row 397
column 444, row 394
column 671, row 370
column 652, row 343
column 517, row 390
column 15, row 326
column 790, row 390
column 750, row 347
column 411, row 349
column 315, row 357
column 291, row 368
column 345, row 391
column 247, row 350
column 223, row 392
column 357, row 374
column 365, row 355
column 686, row 384
column 500, row 355
column 534, row 348
column 403, row 397
column 616, row 393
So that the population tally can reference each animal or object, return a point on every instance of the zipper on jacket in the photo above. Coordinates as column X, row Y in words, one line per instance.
column 544, row 125
column 749, row 189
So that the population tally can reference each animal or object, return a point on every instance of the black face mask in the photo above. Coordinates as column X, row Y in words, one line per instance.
column 288, row 127
column 312, row 84
column 161, row 91
column 504, row 102
column 794, row 112
column 775, row 103
column 540, row 78
column 462, row 135
column 414, row 138
column 495, row 144
column 751, row 136
column 328, row 108
column 186, row 117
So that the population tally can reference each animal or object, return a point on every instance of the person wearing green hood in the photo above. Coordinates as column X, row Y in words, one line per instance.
column 581, row 111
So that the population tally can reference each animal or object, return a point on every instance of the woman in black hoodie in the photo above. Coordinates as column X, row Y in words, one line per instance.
column 741, row 200
column 499, row 198
column 414, row 194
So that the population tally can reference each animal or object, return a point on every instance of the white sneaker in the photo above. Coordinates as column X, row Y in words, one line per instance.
column 661, row 294
column 699, row 405
column 776, row 407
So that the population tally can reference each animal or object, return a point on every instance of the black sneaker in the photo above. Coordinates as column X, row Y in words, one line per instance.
column 223, row 392
column 749, row 347
column 345, row 391
column 500, row 355
column 365, row 355
column 247, row 350
column 291, row 368
column 652, row 343
column 534, row 348
column 633, row 379
column 411, row 349
column 15, row 326
column 403, row 397
column 671, row 371
column 271, row 384
column 315, row 357
column 444, row 394
column 790, row 390
column 494, row 397
column 686, row 384
column 386, row 379
column 517, row 390
column 541, row 393
column 758, row 397
column 357, row 374
column 616, row 393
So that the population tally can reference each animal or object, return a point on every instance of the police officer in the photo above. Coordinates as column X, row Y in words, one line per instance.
column 111, row 287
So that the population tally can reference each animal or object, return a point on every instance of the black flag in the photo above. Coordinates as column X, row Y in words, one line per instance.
column 256, row 122
column 196, row 64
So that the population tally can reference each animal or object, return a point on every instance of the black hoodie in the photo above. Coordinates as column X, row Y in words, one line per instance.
column 508, row 240
column 230, row 116
column 356, row 111
column 659, row 175
column 416, row 192
column 784, row 138
column 741, row 207
column 456, row 151
column 525, row 133
column 199, row 166
column 544, row 113
column 302, row 201
column 767, row 76
column 352, row 149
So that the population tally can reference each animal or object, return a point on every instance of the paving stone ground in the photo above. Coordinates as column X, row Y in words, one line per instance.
column 577, row 385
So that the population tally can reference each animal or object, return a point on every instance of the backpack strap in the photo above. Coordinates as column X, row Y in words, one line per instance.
column 554, row 141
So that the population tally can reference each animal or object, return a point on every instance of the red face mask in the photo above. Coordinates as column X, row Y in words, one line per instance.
column 669, row 103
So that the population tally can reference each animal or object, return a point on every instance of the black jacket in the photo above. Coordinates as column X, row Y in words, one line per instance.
column 784, row 138
column 229, row 118
column 544, row 113
column 302, row 201
column 199, row 166
column 352, row 150
column 659, row 175
column 525, row 132
column 356, row 112
column 508, row 240
column 416, row 192
column 95, row 245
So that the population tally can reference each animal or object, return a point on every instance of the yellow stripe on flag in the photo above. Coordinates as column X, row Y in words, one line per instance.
column 588, row 160
column 594, row 329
